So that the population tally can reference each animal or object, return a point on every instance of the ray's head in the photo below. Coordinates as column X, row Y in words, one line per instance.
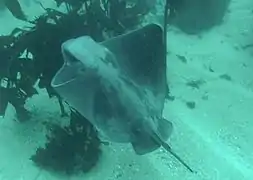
column 88, row 52
column 83, row 49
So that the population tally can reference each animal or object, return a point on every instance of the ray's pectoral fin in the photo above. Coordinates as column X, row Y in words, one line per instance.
column 143, row 143
column 142, row 147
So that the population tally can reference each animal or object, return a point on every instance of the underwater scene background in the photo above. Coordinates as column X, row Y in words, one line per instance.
column 209, row 99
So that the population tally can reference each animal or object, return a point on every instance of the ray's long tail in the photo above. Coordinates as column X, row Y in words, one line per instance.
column 168, row 148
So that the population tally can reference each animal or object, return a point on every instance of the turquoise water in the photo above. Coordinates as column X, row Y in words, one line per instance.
column 212, row 70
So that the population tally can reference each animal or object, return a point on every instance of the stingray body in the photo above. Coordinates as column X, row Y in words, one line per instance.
column 119, row 85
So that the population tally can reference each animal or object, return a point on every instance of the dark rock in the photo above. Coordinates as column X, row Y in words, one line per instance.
column 194, row 16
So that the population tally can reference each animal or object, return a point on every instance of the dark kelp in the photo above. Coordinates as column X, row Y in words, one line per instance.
column 28, row 56
column 15, row 8
column 74, row 148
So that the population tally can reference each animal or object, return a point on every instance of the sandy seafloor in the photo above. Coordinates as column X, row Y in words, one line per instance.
column 215, row 138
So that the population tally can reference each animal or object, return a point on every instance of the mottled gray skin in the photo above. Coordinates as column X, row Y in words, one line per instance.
column 105, row 90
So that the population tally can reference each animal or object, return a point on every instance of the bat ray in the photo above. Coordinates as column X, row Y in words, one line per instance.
column 119, row 85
